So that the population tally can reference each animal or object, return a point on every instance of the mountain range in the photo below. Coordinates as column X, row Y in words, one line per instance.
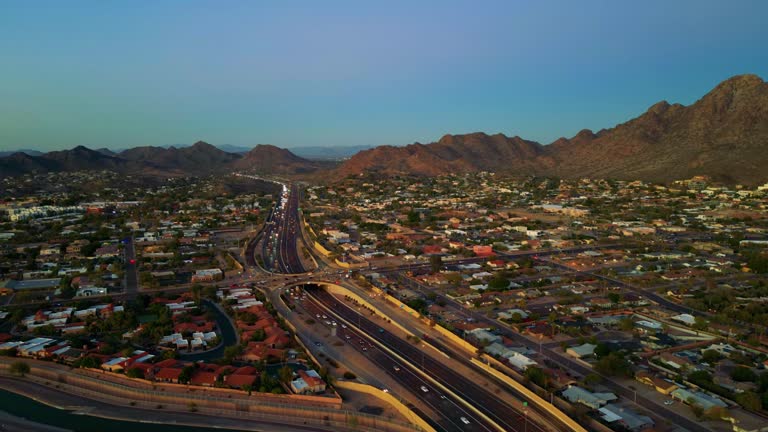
column 198, row 159
column 723, row 135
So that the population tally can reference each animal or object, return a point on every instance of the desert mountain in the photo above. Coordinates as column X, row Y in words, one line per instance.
column 453, row 153
column 723, row 135
column 266, row 158
column 21, row 163
column 198, row 159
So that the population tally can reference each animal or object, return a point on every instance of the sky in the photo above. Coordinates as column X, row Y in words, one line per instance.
column 117, row 74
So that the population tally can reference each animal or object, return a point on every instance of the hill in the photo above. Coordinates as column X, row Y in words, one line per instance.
column 723, row 135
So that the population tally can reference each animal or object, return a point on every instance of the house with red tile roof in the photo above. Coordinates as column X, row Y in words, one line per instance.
column 239, row 380
column 168, row 375
column 308, row 382
column 202, row 378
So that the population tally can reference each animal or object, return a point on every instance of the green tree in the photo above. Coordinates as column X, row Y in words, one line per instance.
column 285, row 374
column 749, row 400
column 613, row 365
column 626, row 324
column 710, row 356
column 743, row 374
column 537, row 376
column 614, row 297
column 186, row 374
column 19, row 368
column 134, row 373
column 435, row 263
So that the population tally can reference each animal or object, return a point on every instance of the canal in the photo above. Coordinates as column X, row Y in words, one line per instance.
column 20, row 406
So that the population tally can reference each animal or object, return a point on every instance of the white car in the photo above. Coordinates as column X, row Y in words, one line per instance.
column 424, row 389
column 668, row 402
column 464, row 419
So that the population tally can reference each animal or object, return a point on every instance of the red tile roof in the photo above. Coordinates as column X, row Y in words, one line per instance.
column 168, row 374
column 203, row 378
column 237, row 381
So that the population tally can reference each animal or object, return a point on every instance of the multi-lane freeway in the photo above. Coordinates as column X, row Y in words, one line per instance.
column 278, row 247
column 452, row 415
column 482, row 399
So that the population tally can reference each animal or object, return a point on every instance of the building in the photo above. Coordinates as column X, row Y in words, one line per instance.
column 33, row 285
column 662, row 386
column 575, row 394
column 207, row 275
column 308, row 382
column 581, row 351
column 701, row 399
column 626, row 417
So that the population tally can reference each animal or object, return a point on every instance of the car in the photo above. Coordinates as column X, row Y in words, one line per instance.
column 668, row 402
column 464, row 420
column 424, row 389
column 396, row 368
column 365, row 349
column 385, row 390
column 333, row 323
column 348, row 337
column 343, row 326
column 318, row 344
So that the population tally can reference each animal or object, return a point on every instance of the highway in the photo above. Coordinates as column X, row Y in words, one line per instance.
column 507, row 417
column 279, row 237
column 451, row 411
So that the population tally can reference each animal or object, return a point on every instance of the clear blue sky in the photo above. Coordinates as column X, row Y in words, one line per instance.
column 120, row 74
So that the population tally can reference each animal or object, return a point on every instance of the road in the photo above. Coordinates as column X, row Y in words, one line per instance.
column 280, row 234
column 131, row 271
column 489, row 404
column 448, row 410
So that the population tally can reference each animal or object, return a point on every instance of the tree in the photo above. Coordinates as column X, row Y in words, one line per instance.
column 134, row 373
column 285, row 374
column 436, row 263
column 613, row 364
column 700, row 323
column 186, row 374
column 258, row 335
column 743, row 374
column 232, row 352
column 88, row 362
column 197, row 291
column 626, row 324
column 710, row 356
column 537, row 376
column 591, row 379
column 614, row 297
column 19, row 368
column 749, row 400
